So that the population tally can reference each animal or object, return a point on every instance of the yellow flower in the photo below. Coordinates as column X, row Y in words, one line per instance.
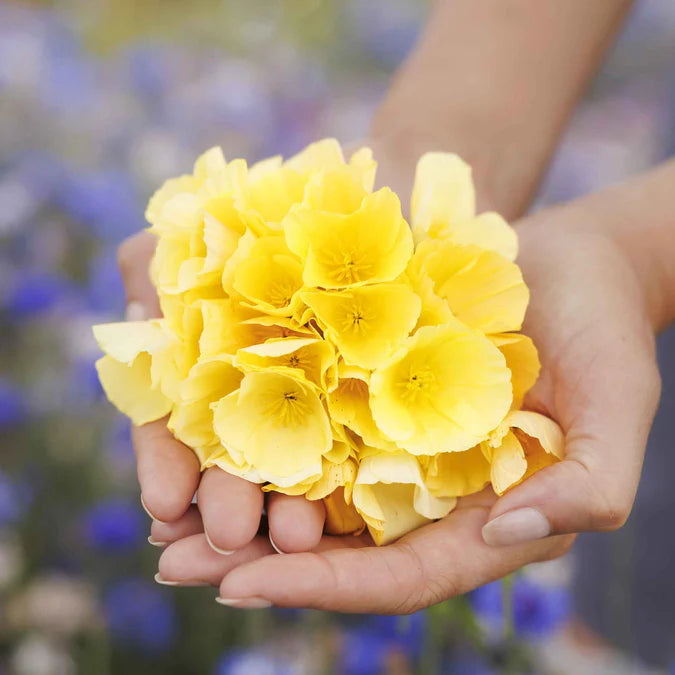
column 349, row 404
column 276, row 423
column 444, row 390
column 192, row 418
column 483, row 289
column 443, row 206
column 366, row 323
column 126, row 371
column 266, row 274
column 456, row 474
column 228, row 327
column 392, row 498
column 522, row 360
column 371, row 244
column 314, row 357
column 274, row 187
column 524, row 443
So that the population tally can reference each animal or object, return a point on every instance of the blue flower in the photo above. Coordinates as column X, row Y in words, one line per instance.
column 367, row 648
column 105, row 291
column 13, row 407
column 247, row 661
column 105, row 201
column 14, row 500
column 467, row 664
column 140, row 615
column 114, row 525
column 149, row 70
column 37, row 292
column 538, row 610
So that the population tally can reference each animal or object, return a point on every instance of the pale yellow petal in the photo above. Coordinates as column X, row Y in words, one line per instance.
column 367, row 323
column 443, row 193
column 128, row 387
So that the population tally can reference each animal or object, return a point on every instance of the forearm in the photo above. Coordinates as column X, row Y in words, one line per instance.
column 495, row 81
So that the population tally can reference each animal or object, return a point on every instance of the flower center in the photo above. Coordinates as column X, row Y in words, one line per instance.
column 419, row 382
column 289, row 409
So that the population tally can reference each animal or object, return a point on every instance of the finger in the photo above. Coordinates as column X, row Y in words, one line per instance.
column 133, row 257
column 438, row 561
column 162, row 534
column 192, row 562
column 168, row 471
column 231, row 508
column 295, row 523
column 594, row 487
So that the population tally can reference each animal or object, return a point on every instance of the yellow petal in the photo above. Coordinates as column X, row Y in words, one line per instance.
column 366, row 323
column 172, row 187
column 443, row 194
column 488, row 231
column 208, row 164
column 314, row 357
column 535, row 442
column 508, row 464
column 341, row 517
column 483, row 289
column 318, row 156
column 128, row 387
column 522, row 360
column 268, row 276
column 278, row 423
column 349, row 405
column 387, row 491
column 371, row 244
column 457, row 474
column 207, row 382
column 443, row 391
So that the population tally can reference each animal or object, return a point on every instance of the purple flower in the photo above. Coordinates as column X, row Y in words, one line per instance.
column 140, row 615
column 368, row 647
column 14, row 500
column 538, row 610
column 37, row 292
column 105, row 291
column 13, row 407
column 105, row 201
column 114, row 525
column 246, row 661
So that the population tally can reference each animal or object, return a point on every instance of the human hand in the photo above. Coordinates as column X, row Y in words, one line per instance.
column 229, row 508
column 599, row 380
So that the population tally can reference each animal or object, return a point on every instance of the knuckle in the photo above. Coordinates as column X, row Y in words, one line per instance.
column 126, row 252
column 610, row 512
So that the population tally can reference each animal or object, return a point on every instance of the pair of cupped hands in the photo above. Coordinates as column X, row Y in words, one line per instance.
column 588, row 316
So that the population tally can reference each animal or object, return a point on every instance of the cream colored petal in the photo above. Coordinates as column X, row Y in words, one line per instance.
column 488, row 231
column 508, row 464
column 128, row 387
column 443, row 193
column 538, row 426
column 125, row 340
column 521, row 359
column 278, row 423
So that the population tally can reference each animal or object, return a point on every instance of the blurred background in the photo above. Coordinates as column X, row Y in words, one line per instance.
column 99, row 102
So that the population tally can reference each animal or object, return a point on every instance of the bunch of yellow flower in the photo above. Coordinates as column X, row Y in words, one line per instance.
column 316, row 344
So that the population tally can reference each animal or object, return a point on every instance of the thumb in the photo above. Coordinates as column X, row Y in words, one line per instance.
column 594, row 487
column 133, row 257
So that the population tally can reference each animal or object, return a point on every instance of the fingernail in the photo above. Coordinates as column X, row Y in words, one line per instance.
column 186, row 583
column 135, row 312
column 516, row 527
column 274, row 546
column 147, row 510
column 154, row 542
column 244, row 603
column 222, row 551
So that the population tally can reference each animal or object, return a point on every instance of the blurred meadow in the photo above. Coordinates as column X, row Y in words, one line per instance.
column 99, row 102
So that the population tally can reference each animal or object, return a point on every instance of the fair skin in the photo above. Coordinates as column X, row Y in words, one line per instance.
column 599, row 379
